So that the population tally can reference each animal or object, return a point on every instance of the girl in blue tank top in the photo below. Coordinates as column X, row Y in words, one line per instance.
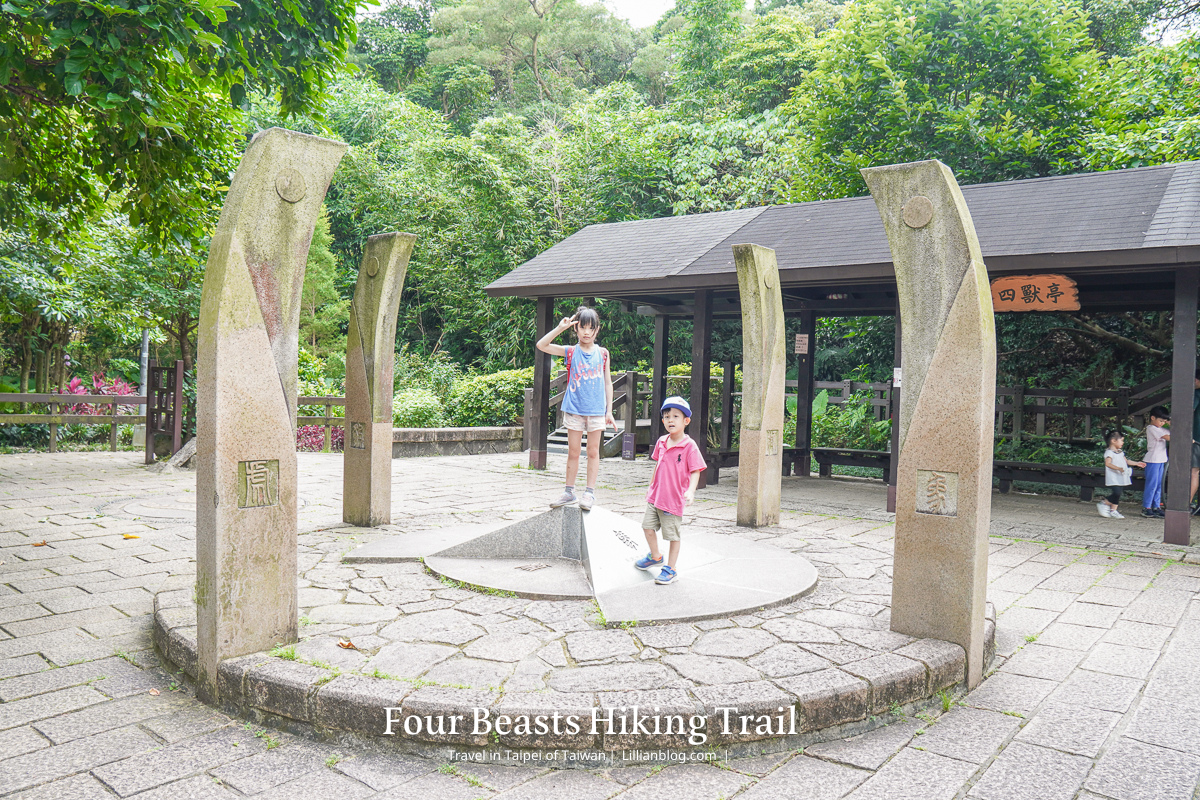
column 587, row 404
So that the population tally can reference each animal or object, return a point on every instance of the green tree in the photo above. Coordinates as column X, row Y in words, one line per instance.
column 770, row 59
column 821, row 15
column 706, row 39
column 1149, row 109
column 535, row 50
column 324, row 313
column 137, row 99
column 393, row 43
column 992, row 87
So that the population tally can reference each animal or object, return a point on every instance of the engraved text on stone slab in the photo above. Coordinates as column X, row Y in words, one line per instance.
column 258, row 483
column 937, row 492
column 358, row 435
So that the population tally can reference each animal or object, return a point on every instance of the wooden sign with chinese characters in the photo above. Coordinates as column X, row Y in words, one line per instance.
column 1034, row 293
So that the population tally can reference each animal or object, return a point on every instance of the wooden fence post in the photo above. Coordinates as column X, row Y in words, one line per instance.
column 727, row 407
column 1018, row 412
column 1070, row 415
column 151, row 392
column 177, row 409
column 328, row 433
column 53, row 428
column 629, row 438
column 112, row 428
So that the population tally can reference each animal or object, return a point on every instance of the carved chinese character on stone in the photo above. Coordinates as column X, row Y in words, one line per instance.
column 772, row 443
column 358, row 435
column 937, row 492
column 258, row 483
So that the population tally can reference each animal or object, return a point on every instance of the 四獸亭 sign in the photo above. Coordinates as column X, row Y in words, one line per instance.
column 1034, row 293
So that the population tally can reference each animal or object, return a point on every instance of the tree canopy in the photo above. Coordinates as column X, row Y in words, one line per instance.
column 139, row 99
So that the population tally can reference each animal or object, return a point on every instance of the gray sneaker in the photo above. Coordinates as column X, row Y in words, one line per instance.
column 567, row 498
column 586, row 501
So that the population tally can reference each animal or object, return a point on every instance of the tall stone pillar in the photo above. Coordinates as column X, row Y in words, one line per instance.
column 764, row 370
column 246, row 398
column 944, row 471
column 370, row 351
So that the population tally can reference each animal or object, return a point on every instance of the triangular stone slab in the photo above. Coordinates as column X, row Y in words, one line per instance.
column 552, row 534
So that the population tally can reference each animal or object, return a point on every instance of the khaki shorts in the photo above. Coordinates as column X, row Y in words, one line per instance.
column 655, row 519
column 575, row 422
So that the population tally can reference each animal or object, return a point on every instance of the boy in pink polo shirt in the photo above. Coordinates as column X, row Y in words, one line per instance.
column 672, row 486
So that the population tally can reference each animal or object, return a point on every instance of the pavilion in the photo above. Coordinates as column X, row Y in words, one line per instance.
column 1129, row 238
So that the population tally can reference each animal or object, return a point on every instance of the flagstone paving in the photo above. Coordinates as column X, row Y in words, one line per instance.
column 1093, row 693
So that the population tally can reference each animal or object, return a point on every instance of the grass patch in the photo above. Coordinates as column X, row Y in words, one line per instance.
column 287, row 653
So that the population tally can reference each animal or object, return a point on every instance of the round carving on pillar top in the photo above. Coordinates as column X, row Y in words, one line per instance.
column 289, row 183
column 918, row 211
column 372, row 266
column 769, row 279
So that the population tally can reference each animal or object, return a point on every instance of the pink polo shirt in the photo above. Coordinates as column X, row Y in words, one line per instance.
column 673, row 476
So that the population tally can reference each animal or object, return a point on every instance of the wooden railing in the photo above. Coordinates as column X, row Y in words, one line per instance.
column 1076, row 408
column 328, row 421
column 54, row 419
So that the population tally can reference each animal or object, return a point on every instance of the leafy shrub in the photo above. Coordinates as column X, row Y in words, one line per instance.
column 418, row 408
column 127, row 368
column 849, row 424
column 314, row 381
column 435, row 372
column 495, row 399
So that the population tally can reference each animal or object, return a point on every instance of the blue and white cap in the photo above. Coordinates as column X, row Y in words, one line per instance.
column 677, row 402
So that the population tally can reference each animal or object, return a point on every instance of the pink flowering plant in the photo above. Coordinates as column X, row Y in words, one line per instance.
column 311, row 438
column 100, row 385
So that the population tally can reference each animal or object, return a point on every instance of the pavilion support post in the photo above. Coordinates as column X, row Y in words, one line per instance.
column 658, row 383
column 540, row 412
column 1177, row 526
column 701, row 356
column 804, row 392
column 894, row 406
column 727, row 374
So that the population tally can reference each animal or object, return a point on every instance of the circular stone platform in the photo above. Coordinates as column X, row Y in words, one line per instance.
column 824, row 665
column 568, row 554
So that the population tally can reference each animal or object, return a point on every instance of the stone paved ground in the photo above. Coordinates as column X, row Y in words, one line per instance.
column 1093, row 694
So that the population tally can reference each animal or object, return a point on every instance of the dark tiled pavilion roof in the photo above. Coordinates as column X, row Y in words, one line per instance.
column 1134, row 219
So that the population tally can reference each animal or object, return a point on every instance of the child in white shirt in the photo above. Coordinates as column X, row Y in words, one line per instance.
column 1117, row 473
column 1157, row 436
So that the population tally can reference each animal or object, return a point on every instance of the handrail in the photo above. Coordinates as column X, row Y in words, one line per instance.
column 73, row 399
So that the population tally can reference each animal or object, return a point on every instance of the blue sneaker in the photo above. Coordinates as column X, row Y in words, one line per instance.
column 647, row 563
column 667, row 575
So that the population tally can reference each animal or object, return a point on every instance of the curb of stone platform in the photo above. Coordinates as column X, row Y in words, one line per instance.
column 780, row 715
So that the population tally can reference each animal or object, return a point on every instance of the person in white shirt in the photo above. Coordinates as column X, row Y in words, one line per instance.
column 1157, row 437
column 1118, row 473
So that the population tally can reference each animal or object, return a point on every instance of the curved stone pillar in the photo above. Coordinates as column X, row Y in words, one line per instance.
column 764, row 366
column 370, row 357
column 246, row 398
column 947, row 408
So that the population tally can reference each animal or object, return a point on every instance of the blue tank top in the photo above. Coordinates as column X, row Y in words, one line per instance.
column 585, row 385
